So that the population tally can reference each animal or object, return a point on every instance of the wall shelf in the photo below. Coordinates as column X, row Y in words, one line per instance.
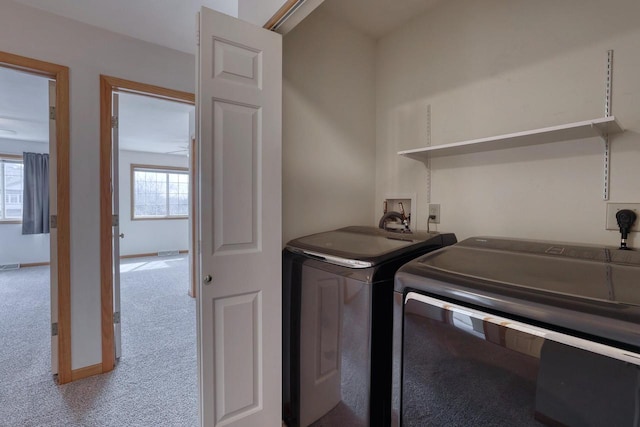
column 600, row 127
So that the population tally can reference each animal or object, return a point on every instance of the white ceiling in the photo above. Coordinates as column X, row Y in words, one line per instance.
column 24, row 106
column 145, row 124
column 153, row 125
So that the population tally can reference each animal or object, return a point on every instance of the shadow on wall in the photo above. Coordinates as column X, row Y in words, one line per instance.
column 328, row 126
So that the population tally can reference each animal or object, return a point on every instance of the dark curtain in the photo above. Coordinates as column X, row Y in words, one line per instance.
column 35, row 201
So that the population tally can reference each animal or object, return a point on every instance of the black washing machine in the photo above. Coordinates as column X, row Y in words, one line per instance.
column 337, row 325
column 506, row 332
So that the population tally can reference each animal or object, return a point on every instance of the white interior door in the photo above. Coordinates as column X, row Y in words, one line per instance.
column 115, row 197
column 53, row 236
column 193, row 211
column 239, row 303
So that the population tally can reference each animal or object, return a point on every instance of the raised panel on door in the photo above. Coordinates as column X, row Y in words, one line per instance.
column 237, row 63
column 236, row 195
column 238, row 368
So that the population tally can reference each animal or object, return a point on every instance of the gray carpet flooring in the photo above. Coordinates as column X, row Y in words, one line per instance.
column 155, row 382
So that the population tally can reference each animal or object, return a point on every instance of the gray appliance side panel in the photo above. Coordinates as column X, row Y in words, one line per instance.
column 396, row 376
column 335, row 325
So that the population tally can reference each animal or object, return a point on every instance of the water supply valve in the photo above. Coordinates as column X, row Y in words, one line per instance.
column 625, row 218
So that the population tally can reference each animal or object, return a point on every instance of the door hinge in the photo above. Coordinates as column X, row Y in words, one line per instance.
column 116, row 318
column 53, row 221
column 52, row 113
column 114, row 122
column 115, row 220
column 54, row 329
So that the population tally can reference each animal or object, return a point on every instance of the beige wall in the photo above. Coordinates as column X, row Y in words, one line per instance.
column 494, row 67
column 88, row 52
column 328, row 127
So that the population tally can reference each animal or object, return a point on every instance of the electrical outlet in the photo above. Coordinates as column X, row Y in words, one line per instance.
column 434, row 211
column 612, row 208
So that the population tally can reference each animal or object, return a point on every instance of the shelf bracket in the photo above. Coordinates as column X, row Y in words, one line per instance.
column 428, row 161
column 601, row 132
column 605, row 134
column 607, row 160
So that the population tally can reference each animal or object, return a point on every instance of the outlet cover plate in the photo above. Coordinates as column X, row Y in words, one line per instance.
column 434, row 209
column 612, row 208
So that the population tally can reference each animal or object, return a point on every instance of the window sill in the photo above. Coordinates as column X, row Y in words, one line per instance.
column 160, row 218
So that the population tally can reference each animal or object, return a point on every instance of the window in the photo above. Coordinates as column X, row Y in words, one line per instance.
column 11, row 180
column 159, row 192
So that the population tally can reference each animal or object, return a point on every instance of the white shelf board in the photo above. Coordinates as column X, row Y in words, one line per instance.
column 579, row 130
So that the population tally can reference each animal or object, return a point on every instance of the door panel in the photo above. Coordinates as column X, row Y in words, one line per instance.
column 238, row 368
column 240, row 64
column 237, row 198
column 239, row 302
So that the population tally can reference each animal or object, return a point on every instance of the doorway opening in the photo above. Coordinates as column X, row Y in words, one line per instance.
column 34, row 219
column 146, row 218
column 25, row 250
column 153, row 142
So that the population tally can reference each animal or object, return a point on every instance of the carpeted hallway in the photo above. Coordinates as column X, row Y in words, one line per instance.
column 155, row 382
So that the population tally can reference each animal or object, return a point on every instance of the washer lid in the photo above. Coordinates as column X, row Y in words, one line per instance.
column 591, row 290
column 369, row 245
column 585, row 272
